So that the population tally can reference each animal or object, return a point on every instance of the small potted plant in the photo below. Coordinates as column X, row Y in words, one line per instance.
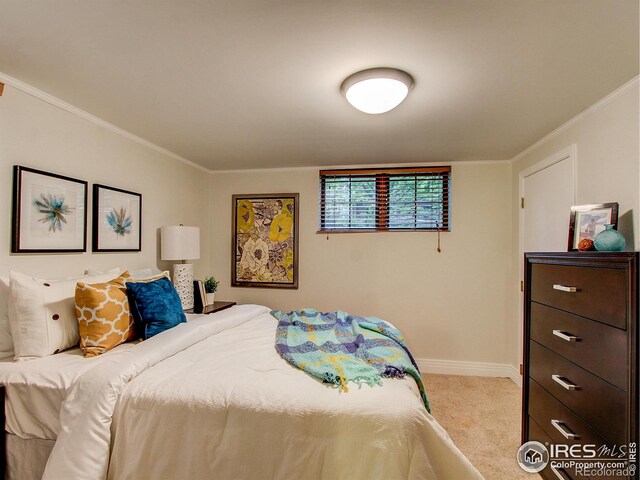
column 210, row 287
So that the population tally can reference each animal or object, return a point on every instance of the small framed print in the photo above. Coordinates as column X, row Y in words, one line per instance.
column 587, row 221
column 117, row 220
column 265, row 240
column 49, row 212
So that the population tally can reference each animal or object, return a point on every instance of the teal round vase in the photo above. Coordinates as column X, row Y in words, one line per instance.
column 609, row 240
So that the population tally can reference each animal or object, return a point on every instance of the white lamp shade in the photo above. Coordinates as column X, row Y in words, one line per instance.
column 179, row 242
column 377, row 90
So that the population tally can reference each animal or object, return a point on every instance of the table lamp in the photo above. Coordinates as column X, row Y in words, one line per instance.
column 181, row 243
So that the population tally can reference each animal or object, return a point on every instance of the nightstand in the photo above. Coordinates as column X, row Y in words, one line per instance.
column 216, row 307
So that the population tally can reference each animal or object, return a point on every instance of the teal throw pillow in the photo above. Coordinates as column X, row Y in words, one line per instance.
column 155, row 306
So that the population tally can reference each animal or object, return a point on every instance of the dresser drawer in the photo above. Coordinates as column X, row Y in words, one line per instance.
column 600, row 293
column 538, row 435
column 599, row 403
column 601, row 349
column 545, row 408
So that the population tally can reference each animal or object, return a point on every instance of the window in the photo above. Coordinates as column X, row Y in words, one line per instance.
column 390, row 199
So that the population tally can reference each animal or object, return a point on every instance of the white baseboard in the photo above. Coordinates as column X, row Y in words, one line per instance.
column 471, row 369
column 515, row 376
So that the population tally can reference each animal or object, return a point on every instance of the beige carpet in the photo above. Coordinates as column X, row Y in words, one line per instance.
column 482, row 416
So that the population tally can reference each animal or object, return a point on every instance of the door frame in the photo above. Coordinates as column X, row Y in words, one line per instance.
column 571, row 153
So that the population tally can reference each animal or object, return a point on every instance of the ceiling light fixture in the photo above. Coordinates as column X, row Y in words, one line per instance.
column 377, row 90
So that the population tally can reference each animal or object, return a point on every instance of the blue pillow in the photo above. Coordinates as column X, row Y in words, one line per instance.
column 155, row 306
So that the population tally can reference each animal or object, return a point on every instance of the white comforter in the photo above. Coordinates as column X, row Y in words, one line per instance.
column 36, row 390
column 212, row 399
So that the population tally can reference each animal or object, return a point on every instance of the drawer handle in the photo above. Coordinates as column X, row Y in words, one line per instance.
column 564, row 288
column 569, row 386
column 565, row 336
column 565, row 433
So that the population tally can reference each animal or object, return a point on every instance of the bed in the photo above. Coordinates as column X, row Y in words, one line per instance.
column 211, row 398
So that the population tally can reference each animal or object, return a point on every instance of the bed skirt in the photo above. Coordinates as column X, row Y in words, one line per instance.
column 26, row 458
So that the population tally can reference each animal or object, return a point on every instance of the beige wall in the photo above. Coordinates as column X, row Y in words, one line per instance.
column 608, row 156
column 459, row 305
column 37, row 134
column 452, row 305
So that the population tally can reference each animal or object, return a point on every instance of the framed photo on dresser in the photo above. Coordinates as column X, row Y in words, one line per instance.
column 587, row 221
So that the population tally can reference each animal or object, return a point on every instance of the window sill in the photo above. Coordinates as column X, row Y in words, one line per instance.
column 373, row 230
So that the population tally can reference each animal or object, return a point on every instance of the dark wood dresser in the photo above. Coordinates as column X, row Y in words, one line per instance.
column 580, row 383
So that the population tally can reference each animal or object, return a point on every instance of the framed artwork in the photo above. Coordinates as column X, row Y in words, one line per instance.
column 49, row 212
column 265, row 240
column 587, row 221
column 117, row 220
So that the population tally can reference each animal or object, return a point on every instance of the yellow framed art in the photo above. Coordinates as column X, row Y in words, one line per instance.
column 265, row 240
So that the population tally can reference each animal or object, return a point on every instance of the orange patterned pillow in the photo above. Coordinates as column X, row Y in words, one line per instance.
column 104, row 317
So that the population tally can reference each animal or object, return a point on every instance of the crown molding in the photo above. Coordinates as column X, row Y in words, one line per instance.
column 370, row 165
column 50, row 99
column 585, row 113
column 56, row 102
column 61, row 104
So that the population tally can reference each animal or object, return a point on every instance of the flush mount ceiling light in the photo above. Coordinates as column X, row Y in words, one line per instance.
column 377, row 90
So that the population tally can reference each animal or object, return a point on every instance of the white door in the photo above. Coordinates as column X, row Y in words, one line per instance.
column 548, row 195
column 548, row 189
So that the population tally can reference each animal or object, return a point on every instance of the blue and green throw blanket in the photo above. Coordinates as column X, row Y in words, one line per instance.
column 339, row 348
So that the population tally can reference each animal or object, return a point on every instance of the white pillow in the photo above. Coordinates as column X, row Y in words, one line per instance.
column 43, row 319
column 140, row 274
column 6, row 342
column 93, row 272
